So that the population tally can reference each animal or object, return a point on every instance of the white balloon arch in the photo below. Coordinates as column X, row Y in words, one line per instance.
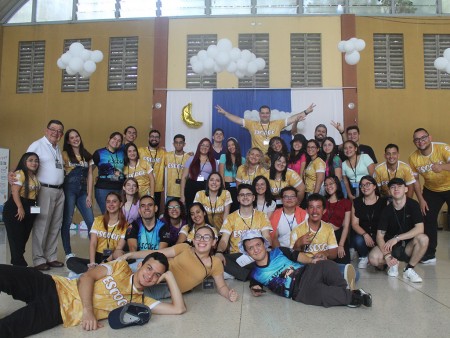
column 79, row 60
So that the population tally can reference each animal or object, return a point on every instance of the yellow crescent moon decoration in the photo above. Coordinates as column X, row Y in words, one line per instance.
column 186, row 116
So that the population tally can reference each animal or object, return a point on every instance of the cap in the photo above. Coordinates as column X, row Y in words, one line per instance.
column 397, row 180
column 130, row 314
column 251, row 234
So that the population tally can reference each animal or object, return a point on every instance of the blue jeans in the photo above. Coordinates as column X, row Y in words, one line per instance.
column 75, row 192
column 100, row 197
column 360, row 245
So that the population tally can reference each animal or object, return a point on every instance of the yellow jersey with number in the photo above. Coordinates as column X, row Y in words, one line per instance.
column 422, row 165
column 141, row 173
column 175, row 165
column 155, row 158
column 261, row 133
column 383, row 175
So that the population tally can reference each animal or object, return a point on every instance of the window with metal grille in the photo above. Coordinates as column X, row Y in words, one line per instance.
column 196, row 43
column 30, row 69
column 433, row 47
column 306, row 60
column 388, row 61
column 75, row 83
column 123, row 63
column 259, row 45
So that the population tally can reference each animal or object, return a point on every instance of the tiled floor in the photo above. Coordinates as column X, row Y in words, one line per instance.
column 400, row 309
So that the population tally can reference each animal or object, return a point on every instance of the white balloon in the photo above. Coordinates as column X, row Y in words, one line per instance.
column 76, row 49
column 440, row 63
column 252, row 68
column 349, row 46
column 60, row 64
column 90, row 66
column 246, row 55
column 352, row 58
column 96, row 56
column 224, row 44
column 340, row 46
column 447, row 54
column 353, row 40
column 208, row 64
column 223, row 59
column 85, row 74
column 447, row 68
column 76, row 64
column 197, row 67
column 232, row 67
column 194, row 59
column 253, row 57
column 212, row 51
column 208, row 73
column 260, row 63
column 360, row 44
column 239, row 74
column 86, row 54
column 217, row 68
column 69, row 71
column 202, row 55
column 235, row 54
column 66, row 57
column 242, row 65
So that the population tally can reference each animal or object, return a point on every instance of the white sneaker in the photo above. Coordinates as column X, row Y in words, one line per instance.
column 429, row 261
column 227, row 276
column 363, row 261
column 350, row 276
column 412, row 276
column 393, row 271
column 73, row 226
column 83, row 226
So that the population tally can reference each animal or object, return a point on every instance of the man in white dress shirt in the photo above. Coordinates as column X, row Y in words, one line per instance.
column 50, row 199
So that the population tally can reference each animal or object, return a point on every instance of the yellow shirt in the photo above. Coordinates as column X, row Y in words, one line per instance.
column 188, row 270
column 155, row 158
column 243, row 176
column 107, row 239
column 110, row 292
column 141, row 173
column 316, row 166
column 292, row 179
column 190, row 234
column 175, row 165
column 383, row 175
column 262, row 133
column 33, row 185
column 323, row 240
column 69, row 166
column 235, row 224
column 440, row 153
column 214, row 210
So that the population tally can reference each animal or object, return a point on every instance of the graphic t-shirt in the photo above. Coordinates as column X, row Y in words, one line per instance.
column 110, row 168
column 261, row 133
column 214, row 210
column 148, row 239
column 324, row 238
column 155, row 158
column 107, row 239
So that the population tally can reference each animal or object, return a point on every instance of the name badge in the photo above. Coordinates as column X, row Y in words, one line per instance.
column 232, row 184
column 200, row 178
column 35, row 210
column 355, row 185
column 58, row 165
column 208, row 284
column 107, row 253
column 178, row 181
column 266, row 142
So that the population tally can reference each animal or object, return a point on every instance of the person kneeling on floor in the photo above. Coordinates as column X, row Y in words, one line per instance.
column 54, row 300
column 318, row 283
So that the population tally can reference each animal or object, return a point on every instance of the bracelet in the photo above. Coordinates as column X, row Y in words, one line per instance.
column 364, row 234
column 388, row 254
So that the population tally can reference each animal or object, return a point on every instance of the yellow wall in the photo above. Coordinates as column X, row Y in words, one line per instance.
column 391, row 115
column 279, row 29
column 96, row 113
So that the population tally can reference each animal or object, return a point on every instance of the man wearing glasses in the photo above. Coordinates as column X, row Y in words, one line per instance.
column 50, row 199
column 432, row 161
column 245, row 218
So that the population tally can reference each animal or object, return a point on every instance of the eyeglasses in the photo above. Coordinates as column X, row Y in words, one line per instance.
column 59, row 131
column 249, row 194
column 205, row 238
column 311, row 147
column 289, row 197
column 365, row 185
column 421, row 139
column 172, row 207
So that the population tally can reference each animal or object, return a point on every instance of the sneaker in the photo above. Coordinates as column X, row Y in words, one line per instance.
column 363, row 261
column 69, row 256
column 83, row 226
column 393, row 271
column 350, row 276
column 352, row 254
column 360, row 297
column 412, row 275
column 428, row 260
column 73, row 226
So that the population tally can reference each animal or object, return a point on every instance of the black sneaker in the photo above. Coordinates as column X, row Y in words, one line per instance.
column 366, row 297
column 360, row 297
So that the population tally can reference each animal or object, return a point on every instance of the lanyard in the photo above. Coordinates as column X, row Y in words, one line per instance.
column 354, row 169
column 134, row 172
column 291, row 222
column 266, row 132
column 400, row 225
column 55, row 153
column 176, row 164
column 112, row 159
column 213, row 210
column 201, row 169
column 243, row 220
column 131, row 297
column 153, row 161
column 204, row 266
column 250, row 176
column 108, row 238
column 127, row 213
column 307, row 246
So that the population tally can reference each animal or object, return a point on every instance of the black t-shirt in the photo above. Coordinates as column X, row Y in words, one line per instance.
column 396, row 222
column 369, row 215
column 365, row 149
column 148, row 239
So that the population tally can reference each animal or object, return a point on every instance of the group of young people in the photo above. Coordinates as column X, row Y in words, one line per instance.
column 282, row 218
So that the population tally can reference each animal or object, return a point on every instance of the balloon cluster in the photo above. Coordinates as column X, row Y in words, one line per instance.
column 79, row 60
column 223, row 57
column 351, row 48
column 443, row 63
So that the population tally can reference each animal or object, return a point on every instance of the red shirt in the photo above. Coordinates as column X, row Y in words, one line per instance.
column 335, row 212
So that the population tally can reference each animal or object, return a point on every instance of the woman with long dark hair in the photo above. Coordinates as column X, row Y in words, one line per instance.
column 175, row 218
column 142, row 171
column 18, row 212
column 264, row 200
column 76, row 166
column 314, row 173
column 197, row 218
column 228, row 165
column 338, row 214
column 196, row 171
column 277, row 145
column 297, row 156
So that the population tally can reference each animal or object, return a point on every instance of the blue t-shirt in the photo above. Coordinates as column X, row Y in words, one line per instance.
column 277, row 274
column 108, row 163
column 148, row 239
